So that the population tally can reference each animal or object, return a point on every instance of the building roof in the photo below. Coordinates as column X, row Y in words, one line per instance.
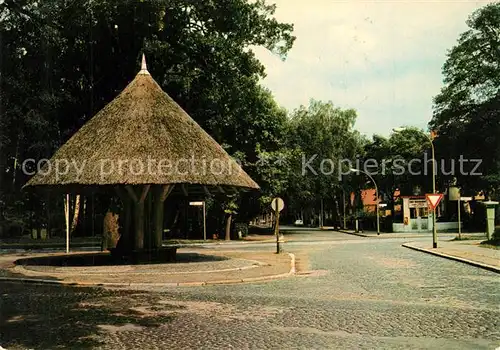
column 142, row 126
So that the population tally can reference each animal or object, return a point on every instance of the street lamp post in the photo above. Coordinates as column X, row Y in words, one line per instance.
column 434, row 228
column 376, row 193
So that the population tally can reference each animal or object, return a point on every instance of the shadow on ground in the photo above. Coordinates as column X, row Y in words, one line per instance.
column 106, row 259
column 38, row 316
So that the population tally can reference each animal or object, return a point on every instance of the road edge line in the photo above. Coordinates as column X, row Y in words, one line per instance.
column 452, row 257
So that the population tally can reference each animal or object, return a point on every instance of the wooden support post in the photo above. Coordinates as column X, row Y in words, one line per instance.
column 161, row 195
column 139, row 225
column 127, row 222
column 207, row 192
column 125, row 235
column 131, row 192
column 184, row 190
column 148, row 227
column 138, row 215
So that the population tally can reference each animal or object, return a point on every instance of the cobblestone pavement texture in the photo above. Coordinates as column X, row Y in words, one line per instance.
column 348, row 295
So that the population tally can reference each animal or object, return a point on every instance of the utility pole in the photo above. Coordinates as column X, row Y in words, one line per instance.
column 344, row 204
column 277, row 228
column 353, row 170
column 321, row 215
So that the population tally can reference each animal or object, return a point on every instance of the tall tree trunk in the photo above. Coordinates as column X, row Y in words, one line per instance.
column 228, row 227
column 67, row 202
column 76, row 213
column 16, row 155
column 337, row 209
column 48, row 212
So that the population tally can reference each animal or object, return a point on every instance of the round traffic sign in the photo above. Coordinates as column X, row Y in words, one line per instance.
column 277, row 203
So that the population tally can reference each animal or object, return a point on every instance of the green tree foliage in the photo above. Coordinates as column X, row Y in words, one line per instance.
column 467, row 110
column 398, row 163
column 320, row 135
column 63, row 61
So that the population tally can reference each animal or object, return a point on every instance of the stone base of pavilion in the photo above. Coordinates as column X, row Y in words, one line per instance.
column 192, row 267
column 144, row 256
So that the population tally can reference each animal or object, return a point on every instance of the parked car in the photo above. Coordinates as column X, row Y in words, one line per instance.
column 299, row 223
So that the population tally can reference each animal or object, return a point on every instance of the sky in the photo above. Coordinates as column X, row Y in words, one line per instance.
column 382, row 58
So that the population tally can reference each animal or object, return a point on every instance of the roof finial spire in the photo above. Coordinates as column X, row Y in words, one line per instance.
column 144, row 67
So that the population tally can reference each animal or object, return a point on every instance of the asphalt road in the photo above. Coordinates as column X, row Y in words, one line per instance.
column 351, row 293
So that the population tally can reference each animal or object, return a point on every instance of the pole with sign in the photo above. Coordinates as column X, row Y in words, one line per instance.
column 277, row 205
column 204, row 222
column 433, row 199
column 67, row 222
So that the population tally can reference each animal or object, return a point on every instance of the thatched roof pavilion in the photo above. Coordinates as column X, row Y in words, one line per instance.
column 143, row 142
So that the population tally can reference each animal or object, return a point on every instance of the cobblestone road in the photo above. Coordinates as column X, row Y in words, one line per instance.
column 359, row 294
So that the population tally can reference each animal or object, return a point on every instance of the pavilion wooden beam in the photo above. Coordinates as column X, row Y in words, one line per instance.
column 131, row 193
column 235, row 190
column 207, row 192
column 184, row 190
column 221, row 190
column 120, row 193
column 162, row 192
column 144, row 193
column 166, row 190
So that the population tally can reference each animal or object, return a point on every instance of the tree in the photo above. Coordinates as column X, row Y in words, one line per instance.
column 400, row 163
column 230, row 209
column 321, row 136
column 467, row 110
column 63, row 61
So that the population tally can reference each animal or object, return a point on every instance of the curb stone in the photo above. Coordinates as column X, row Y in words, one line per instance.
column 353, row 233
column 452, row 257
column 166, row 284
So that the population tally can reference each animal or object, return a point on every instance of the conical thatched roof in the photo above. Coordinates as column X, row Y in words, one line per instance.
column 142, row 128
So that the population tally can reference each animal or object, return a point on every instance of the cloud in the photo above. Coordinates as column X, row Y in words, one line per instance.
column 382, row 58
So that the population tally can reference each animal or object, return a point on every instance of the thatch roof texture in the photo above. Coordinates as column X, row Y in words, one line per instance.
column 142, row 128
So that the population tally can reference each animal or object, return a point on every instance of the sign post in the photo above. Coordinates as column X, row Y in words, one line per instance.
column 204, row 222
column 433, row 199
column 277, row 205
column 67, row 223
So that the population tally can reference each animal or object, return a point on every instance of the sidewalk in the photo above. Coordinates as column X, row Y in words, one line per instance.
column 192, row 268
column 469, row 252
column 373, row 234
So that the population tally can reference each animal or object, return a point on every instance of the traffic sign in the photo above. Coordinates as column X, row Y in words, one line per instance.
column 433, row 199
column 277, row 202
